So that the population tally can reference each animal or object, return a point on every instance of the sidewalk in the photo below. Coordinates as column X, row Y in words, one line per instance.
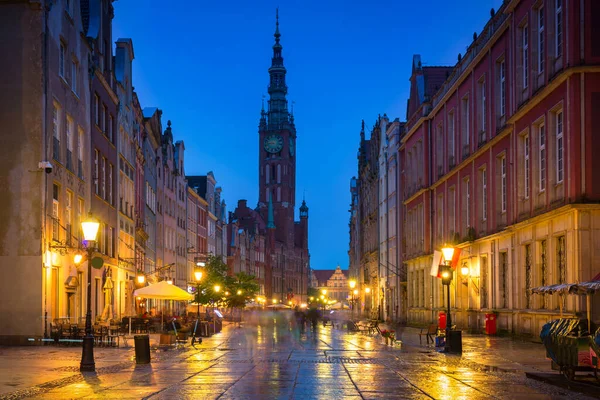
column 493, row 352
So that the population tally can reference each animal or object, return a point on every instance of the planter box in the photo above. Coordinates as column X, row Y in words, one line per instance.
column 166, row 338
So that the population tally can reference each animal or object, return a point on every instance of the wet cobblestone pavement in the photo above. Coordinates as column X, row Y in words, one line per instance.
column 275, row 361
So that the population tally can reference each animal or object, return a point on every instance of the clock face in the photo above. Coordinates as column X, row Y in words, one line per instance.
column 273, row 143
column 292, row 146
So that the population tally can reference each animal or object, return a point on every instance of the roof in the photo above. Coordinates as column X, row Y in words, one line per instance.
column 435, row 78
column 323, row 275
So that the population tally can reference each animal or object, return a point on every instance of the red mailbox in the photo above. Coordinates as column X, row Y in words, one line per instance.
column 442, row 320
column 490, row 324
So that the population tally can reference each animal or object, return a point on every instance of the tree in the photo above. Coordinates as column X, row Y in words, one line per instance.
column 242, row 287
column 215, row 273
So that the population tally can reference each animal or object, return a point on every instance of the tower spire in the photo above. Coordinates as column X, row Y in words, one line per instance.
column 277, row 113
column 277, row 34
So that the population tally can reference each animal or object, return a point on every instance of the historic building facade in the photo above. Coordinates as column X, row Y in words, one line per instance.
column 334, row 282
column 498, row 159
column 45, row 114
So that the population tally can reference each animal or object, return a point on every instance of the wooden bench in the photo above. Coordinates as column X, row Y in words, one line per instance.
column 429, row 333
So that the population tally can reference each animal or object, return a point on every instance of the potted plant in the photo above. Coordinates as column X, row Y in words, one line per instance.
column 389, row 336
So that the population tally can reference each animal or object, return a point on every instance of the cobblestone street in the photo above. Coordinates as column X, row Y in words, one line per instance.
column 277, row 362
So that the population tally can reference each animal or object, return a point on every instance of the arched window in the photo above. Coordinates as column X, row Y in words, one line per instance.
column 273, row 172
column 278, row 173
column 267, row 173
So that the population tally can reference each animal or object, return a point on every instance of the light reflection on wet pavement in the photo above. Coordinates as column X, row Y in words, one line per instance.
column 274, row 360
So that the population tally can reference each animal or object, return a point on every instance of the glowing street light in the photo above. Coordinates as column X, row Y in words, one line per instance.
column 90, row 228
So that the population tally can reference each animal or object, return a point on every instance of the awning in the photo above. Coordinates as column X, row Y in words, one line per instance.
column 163, row 291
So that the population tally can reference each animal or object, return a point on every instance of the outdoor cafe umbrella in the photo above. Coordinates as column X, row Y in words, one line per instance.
column 278, row 306
column 164, row 290
column 340, row 306
column 108, row 314
column 585, row 288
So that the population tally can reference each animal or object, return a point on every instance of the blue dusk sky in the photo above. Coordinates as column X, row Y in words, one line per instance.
column 204, row 63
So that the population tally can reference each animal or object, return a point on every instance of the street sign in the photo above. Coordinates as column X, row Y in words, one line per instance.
column 97, row 262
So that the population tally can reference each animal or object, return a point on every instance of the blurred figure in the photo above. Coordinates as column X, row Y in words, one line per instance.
column 313, row 316
column 300, row 318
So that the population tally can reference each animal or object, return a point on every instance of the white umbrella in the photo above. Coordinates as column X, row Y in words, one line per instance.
column 108, row 314
column 340, row 306
column 278, row 306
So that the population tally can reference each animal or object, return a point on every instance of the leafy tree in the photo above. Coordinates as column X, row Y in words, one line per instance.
column 214, row 273
column 241, row 287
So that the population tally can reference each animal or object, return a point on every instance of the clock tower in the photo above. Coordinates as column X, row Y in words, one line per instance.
column 277, row 157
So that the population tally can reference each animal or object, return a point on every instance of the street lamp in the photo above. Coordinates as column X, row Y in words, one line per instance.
column 446, row 273
column 90, row 231
column 141, row 278
column 198, row 277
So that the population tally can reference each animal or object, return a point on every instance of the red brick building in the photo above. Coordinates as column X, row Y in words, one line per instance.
column 498, row 159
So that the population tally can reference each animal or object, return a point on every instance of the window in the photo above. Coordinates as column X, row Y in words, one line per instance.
column 80, row 214
column 526, row 164
column 96, row 175
column 61, row 61
column 70, row 139
column 561, row 259
column 527, row 276
column 483, row 195
column 504, row 278
column 80, row 150
column 502, row 88
column 484, row 282
column 278, row 173
column 543, row 271
column 525, row 55
column 103, row 119
column 542, row 169
column 69, row 215
column 110, row 183
column 278, row 193
column 96, row 110
column 74, row 68
column 56, row 132
column 482, row 111
column 110, row 242
column 503, row 182
column 452, row 210
column 110, row 128
column 103, row 175
column 559, row 148
column 451, row 160
column 558, row 31
column 468, row 199
column 267, row 173
column 541, row 36
column 55, row 204
column 465, row 125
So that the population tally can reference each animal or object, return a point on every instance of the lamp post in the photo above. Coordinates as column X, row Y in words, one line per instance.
column 446, row 273
column 352, row 285
column 198, row 277
column 90, row 230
